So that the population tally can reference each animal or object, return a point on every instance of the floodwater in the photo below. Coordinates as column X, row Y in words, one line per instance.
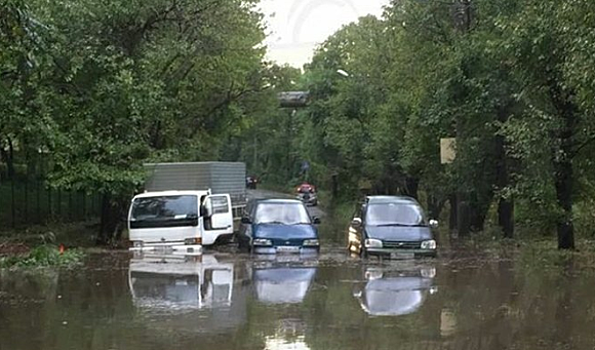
column 229, row 301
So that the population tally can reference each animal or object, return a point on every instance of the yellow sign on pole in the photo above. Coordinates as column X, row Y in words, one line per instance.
column 448, row 150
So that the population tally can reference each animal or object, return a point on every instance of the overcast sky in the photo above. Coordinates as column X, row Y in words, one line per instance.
column 295, row 27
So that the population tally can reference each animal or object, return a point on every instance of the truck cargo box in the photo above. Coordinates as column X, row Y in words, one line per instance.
column 220, row 177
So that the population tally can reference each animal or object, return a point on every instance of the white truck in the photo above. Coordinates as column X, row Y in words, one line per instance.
column 187, row 205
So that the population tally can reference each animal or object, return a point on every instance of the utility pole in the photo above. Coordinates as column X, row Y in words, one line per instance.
column 462, row 21
column 292, row 100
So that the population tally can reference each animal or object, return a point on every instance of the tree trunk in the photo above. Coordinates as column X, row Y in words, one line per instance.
column 156, row 137
column 105, row 214
column 452, row 220
column 435, row 207
column 562, row 159
column 477, row 218
column 10, row 159
column 111, row 217
column 564, row 175
column 334, row 186
column 411, row 186
column 505, row 204
column 463, row 219
column 506, row 217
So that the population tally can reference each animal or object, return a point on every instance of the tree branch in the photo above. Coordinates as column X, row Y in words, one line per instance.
column 586, row 143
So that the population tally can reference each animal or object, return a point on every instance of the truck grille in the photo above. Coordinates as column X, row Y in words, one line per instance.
column 401, row 245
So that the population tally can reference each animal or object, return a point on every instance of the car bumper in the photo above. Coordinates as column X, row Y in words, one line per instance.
column 286, row 250
column 390, row 251
column 173, row 249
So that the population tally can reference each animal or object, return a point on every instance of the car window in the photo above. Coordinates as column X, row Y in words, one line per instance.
column 281, row 213
column 394, row 214
column 220, row 205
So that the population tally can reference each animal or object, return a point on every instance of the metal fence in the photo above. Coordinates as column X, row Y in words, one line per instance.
column 29, row 202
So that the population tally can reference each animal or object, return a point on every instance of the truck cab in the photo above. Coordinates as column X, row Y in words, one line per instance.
column 181, row 221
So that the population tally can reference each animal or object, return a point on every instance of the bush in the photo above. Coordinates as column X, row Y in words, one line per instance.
column 45, row 255
column 584, row 218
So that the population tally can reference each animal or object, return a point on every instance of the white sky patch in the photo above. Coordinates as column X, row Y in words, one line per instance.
column 295, row 27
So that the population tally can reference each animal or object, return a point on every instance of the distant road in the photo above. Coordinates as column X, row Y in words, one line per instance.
column 264, row 194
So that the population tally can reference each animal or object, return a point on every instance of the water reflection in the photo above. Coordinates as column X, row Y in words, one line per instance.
column 390, row 292
column 283, row 280
column 180, row 282
column 188, row 294
column 275, row 343
column 229, row 301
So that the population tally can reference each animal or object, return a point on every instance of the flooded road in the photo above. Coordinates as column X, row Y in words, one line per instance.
column 228, row 301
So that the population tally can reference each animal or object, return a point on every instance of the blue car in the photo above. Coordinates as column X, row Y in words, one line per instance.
column 273, row 226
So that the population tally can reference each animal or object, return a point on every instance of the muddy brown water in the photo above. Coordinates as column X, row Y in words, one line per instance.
column 332, row 301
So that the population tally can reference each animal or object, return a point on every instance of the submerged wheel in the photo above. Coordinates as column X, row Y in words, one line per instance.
column 363, row 252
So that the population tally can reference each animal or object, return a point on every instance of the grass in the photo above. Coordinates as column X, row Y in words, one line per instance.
column 44, row 256
column 38, row 245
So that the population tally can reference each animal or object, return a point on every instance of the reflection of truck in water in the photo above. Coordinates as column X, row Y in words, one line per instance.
column 187, row 205
column 395, row 293
column 180, row 282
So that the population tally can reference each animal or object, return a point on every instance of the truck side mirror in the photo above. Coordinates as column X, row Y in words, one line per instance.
column 356, row 223
column 433, row 223
column 317, row 221
column 206, row 210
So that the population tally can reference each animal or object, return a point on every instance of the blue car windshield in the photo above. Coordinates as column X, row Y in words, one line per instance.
column 387, row 214
column 281, row 213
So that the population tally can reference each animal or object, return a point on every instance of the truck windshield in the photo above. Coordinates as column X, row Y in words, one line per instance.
column 165, row 211
column 394, row 214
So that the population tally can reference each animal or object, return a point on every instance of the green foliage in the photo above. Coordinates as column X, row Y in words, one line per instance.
column 44, row 256
column 514, row 85
column 99, row 88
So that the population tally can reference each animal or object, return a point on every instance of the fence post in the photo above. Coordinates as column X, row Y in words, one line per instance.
column 83, row 195
column 49, row 202
column 70, row 216
column 38, row 201
column 26, row 197
column 59, row 215
column 12, row 199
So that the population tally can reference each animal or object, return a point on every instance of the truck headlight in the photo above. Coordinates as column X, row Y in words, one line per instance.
column 431, row 244
column 373, row 243
column 311, row 243
column 262, row 242
column 193, row 241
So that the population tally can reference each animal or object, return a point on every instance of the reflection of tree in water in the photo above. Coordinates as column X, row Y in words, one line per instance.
column 562, row 335
column 207, row 284
column 291, row 327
